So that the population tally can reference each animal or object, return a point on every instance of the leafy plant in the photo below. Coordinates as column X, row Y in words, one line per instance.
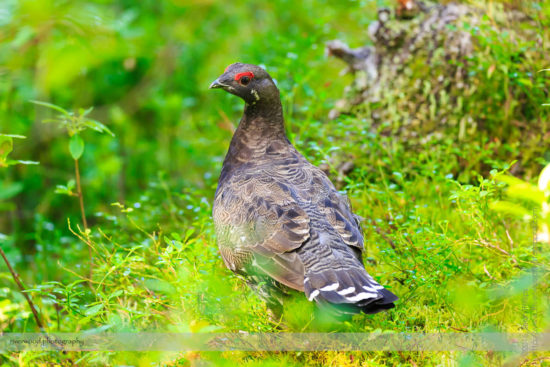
column 75, row 123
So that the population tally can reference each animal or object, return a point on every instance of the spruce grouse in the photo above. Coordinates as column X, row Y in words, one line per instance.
column 280, row 222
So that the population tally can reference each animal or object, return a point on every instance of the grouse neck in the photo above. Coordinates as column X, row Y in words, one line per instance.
column 263, row 120
column 261, row 127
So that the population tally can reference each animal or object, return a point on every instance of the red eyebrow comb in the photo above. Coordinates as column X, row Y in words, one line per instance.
column 246, row 73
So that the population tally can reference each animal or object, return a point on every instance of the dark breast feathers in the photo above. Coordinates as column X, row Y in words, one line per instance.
column 279, row 218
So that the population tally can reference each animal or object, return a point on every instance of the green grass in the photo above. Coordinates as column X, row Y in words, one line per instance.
column 432, row 233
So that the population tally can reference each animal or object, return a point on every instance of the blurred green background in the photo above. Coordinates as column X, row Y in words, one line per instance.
column 449, row 221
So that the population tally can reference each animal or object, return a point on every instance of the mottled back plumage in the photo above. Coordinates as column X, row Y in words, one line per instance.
column 279, row 220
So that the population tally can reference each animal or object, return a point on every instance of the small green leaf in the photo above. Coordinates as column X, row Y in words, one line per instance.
column 98, row 126
column 23, row 162
column 14, row 136
column 116, row 293
column 53, row 107
column 10, row 190
column 525, row 81
column 63, row 190
column 66, row 190
column 94, row 310
column 6, row 146
column 84, row 112
column 76, row 146
column 71, row 184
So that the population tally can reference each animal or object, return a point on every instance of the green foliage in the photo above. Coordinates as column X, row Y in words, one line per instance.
column 528, row 202
column 9, row 189
column 66, row 189
column 445, row 226
column 74, row 123
column 6, row 147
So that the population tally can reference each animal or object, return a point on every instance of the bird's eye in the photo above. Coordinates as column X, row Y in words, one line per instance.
column 244, row 80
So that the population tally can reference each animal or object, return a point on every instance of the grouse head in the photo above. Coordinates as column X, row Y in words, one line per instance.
column 250, row 82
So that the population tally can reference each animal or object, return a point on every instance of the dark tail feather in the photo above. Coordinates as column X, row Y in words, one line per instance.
column 382, row 304
column 348, row 291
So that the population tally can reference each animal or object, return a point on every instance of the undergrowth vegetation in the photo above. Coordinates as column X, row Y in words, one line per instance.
column 449, row 224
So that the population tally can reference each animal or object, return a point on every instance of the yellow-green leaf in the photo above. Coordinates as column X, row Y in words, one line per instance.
column 76, row 146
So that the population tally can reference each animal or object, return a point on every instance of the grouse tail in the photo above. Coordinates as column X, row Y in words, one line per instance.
column 350, row 290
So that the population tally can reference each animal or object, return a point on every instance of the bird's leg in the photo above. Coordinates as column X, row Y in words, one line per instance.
column 271, row 295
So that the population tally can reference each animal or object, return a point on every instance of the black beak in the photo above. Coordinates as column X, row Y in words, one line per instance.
column 216, row 84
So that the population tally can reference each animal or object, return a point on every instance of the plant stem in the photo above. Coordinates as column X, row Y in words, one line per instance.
column 82, row 212
column 79, row 193
column 29, row 301
column 23, row 290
